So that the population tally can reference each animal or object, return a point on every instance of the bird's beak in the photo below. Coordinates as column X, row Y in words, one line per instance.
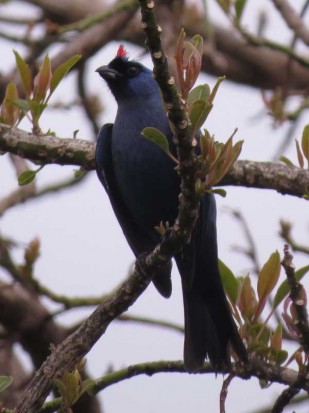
column 108, row 73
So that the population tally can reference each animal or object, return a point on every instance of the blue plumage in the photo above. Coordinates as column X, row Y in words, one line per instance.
column 143, row 188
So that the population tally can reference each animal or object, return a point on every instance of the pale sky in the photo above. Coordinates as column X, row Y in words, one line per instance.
column 85, row 253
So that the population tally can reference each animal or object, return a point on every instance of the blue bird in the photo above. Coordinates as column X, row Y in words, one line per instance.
column 143, row 188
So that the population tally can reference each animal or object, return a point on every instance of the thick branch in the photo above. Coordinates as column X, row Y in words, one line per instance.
column 47, row 149
column 28, row 321
column 10, row 365
column 23, row 315
column 53, row 150
column 288, row 180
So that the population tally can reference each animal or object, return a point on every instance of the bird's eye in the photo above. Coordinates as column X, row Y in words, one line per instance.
column 132, row 70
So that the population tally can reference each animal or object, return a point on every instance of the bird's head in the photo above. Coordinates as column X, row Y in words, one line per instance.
column 127, row 78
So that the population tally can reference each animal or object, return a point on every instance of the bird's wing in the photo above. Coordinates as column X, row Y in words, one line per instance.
column 136, row 237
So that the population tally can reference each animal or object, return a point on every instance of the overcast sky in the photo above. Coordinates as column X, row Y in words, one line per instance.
column 85, row 253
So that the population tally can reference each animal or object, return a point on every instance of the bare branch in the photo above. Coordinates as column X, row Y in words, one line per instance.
column 284, row 399
column 298, row 297
column 292, row 19
column 286, row 235
column 224, row 391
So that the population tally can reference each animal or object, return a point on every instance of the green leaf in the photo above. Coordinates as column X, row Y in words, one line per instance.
column 260, row 334
column 197, row 41
column 276, row 338
column 284, row 287
column 87, row 387
column 305, row 142
column 286, row 160
column 24, row 73
column 157, row 137
column 281, row 356
column 229, row 281
column 26, row 177
column 200, row 92
column 225, row 5
column 239, row 8
column 61, row 71
column 9, row 111
column 215, row 89
column 5, row 382
column 247, row 302
column 198, row 113
column 79, row 173
column 42, row 80
column 268, row 276
column 219, row 191
column 21, row 104
column 37, row 108
column 72, row 383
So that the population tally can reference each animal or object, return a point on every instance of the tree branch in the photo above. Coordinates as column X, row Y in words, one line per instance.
column 288, row 180
column 255, row 368
column 47, row 149
column 292, row 19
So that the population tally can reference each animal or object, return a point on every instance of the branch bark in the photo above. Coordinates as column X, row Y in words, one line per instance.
column 47, row 149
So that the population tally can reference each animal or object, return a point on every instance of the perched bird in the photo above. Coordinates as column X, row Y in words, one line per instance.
column 143, row 188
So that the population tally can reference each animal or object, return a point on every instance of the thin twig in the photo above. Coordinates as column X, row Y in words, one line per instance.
column 259, row 42
column 298, row 297
column 251, row 251
column 85, row 100
column 99, row 17
column 292, row 19
column 224, row 391
column 27, row 193
column 286, row 234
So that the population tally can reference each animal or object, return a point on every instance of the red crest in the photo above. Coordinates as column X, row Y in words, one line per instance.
column 121, row 52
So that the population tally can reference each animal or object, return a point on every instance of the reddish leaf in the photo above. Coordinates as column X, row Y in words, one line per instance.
column 247, row 299
column 9, row 111
column 42, row 81
column 276, row 339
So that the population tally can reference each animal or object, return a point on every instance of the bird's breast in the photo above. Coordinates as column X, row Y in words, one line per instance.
column 145, row 175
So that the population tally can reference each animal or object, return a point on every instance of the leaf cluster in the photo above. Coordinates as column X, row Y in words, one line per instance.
column 248, row 305
column 215, row 159
column 36, row 91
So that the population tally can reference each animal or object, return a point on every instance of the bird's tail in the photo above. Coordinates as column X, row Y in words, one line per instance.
column 209, row 330
column 209, row 325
